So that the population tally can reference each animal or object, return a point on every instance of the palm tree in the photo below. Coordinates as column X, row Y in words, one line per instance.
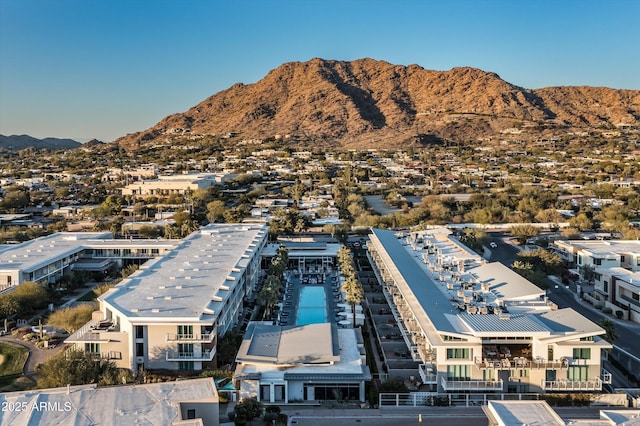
column 269, row 293
column 610, row 329
column 353, row 294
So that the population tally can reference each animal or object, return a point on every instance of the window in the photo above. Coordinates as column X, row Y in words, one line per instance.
column 185, row 331
column 635, row 296
column 597, row 261
column 447, row 338
column 185, row 349
column 458, row 353
column 93, row 348
column 586, row 339
column 582, row 353
column 139, row 349
column 622, row 259
column 185, row 365
column 139, row 332
column 606, row 286
column 578, row 373
column 488, row 375
column 458, row 373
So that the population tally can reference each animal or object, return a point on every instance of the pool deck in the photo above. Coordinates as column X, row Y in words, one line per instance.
column 294, row 285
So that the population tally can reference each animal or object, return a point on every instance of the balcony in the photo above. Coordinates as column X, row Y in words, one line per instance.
column 111, row 355
column 96, row 331
column 471, row 385
column 564, row 385
column 523, row 363
column 191, row 338
column 428, row 374
column 191, row 356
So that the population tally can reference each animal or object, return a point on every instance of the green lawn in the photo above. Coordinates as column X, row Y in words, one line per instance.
column 13, row 358
column 89, row 296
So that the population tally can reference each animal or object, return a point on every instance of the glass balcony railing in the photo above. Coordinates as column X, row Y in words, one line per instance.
column 191, row 356
column 191, row 337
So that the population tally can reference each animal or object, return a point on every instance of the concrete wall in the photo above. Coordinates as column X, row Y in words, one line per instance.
column 208, row 411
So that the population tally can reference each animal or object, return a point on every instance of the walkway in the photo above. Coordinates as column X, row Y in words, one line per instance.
column 36, row 356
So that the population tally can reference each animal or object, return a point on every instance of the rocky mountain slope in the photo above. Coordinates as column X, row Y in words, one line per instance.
column 18, row 142
column 371, row 103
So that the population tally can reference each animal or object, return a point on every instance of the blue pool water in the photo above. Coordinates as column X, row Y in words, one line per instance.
column 312, row 308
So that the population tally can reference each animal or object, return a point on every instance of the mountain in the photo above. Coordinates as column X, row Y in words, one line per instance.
column 373, row 103
column 18, row 142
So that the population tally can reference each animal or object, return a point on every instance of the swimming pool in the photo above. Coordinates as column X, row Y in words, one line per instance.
column 312, row 308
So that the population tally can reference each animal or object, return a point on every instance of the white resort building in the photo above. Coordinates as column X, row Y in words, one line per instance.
column 169, row 313
column 46, row 259
column 478, row 327
column 281, row 364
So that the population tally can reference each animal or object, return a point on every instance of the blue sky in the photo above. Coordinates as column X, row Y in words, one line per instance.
column 103, row 68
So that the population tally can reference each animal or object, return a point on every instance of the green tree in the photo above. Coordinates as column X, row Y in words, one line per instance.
column 149, row 231
column 610, row 329
column 523, row 232
column 215, row 211
column 15, row 200
column 9, row 305
column 79, row 368
column 72, row 318
column 247, row 410
column 581, row 222
column 171, row 232
column 181, row 218
column 353, row 294
column 32, row 295
column 269, row 294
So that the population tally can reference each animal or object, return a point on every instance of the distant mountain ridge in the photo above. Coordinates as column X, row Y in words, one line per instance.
column 370, row 102
column 18, row 142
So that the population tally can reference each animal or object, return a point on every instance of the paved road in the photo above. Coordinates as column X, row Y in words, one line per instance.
column 36, row 355
column 628, row 333
column 444, row 416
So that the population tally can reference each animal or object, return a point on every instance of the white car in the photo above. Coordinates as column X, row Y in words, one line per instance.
column 493, row 245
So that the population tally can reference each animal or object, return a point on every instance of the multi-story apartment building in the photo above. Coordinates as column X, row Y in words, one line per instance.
column 481, row 327
column 614, row 267
column 177, row 184
column 169, row 313
column 46, row 259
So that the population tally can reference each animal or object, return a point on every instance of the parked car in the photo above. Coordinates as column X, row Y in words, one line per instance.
column 493, row 245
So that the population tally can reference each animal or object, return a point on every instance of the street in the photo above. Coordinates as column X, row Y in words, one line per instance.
column 628, row 334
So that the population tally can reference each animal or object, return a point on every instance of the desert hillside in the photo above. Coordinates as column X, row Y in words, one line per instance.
column 373, row 103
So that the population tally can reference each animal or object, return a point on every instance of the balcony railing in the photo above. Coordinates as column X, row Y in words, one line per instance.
column 201, row 338
column 605, row 376
column 111, row 355
column 524, row 363
column 428, row 374
column 573, row 385
column 191, row 356
column 471, row 385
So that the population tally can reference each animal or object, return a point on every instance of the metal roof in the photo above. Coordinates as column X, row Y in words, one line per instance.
column 502, row 323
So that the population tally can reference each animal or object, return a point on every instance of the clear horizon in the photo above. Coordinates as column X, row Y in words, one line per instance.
column 82, row 70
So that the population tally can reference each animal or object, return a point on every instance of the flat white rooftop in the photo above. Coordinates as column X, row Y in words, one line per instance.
column 309, row 350
column 191, row 281
column 151, row 404
column 518, row 413
column 37, row 253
